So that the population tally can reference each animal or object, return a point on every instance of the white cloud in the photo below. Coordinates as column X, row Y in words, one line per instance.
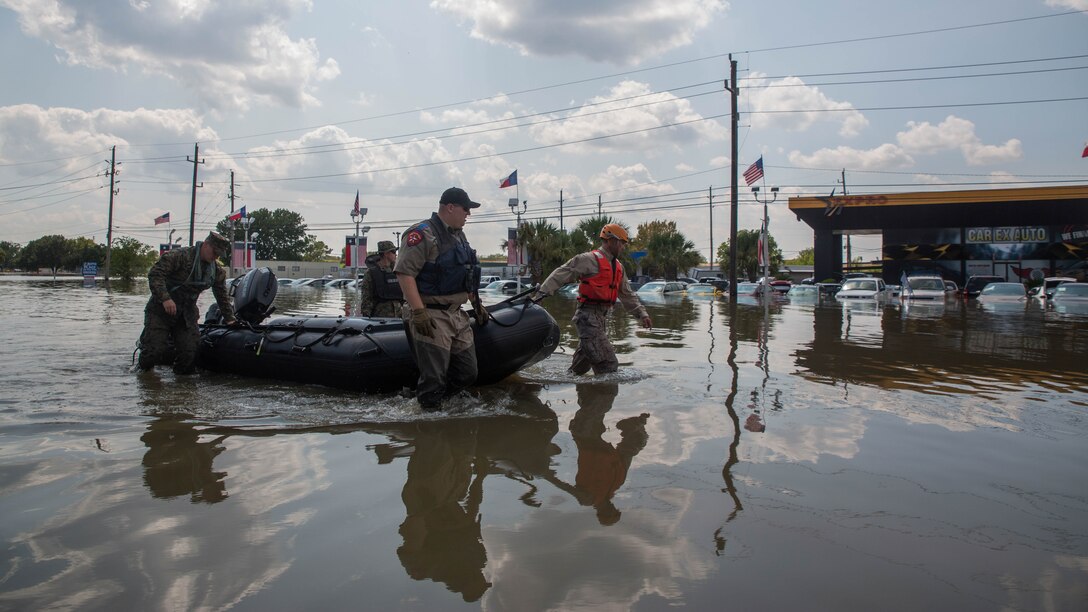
column 635, row 180
column 883, row 157
column 956, row 133
column 231, row 55
column 767, row 98
column 333, row 151
column 614, row 31
column 631, row 106
column 1076, row 5
column 32, row 132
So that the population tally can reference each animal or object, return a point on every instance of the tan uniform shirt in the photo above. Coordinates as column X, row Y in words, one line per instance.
column 583, row 266
column 414, row 252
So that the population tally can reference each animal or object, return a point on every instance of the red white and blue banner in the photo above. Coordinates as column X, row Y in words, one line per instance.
column 509, row 181
column 163, row 218
column 239, row 214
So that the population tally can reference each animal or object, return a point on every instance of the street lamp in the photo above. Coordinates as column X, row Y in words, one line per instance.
column 357, row 215
column 517, row 208
column 763, row 235
column 252, row 237
column 246, row 222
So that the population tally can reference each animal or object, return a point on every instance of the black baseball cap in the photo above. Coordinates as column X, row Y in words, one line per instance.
column 458, row 196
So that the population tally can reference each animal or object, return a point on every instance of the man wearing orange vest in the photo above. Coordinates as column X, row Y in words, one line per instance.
column 601, row 283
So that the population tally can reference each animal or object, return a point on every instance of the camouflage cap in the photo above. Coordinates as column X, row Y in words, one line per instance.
column 218, row 242
column 384, row 246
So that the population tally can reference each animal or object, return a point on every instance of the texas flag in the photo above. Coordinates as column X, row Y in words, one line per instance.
column 238, row 215
column 163, row 218
column 509, row 181
column 1083, row 154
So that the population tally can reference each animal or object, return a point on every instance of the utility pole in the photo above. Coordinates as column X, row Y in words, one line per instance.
column 731, row 86
column 598, row 205
column 192, row 208
column 710, row 205
column 560, row 210
column 849, row 261
column 229, row 220
column 109, row 221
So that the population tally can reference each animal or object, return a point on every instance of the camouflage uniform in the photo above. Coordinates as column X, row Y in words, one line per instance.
column 177, row 276
column 591, row 320
column 447, row 361
column 370, row 304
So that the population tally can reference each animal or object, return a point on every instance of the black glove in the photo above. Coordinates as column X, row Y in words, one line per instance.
column 422, row 323
column 480, row 313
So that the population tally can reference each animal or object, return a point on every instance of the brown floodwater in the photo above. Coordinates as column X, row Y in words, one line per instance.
column 912, row 457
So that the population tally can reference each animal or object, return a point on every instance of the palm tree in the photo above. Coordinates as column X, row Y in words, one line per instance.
column 672, row 252
column 543, row 244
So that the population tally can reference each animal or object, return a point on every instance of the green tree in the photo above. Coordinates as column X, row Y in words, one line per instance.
column 130, row 258
column 747, row 265
column 9, row 253
column 315, row 250
column 806, row 257
column 281, row 233
column 667, row 250
column 84, row 249
column 45, row 252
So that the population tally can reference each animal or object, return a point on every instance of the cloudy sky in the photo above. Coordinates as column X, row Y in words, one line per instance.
column 617, row 103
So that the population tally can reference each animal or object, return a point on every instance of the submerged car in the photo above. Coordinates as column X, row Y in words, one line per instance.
column 923, row 288
column 1003, row 292
column 1070, row 298
column 1050, row 283
column 502, row 286
column 662, row 287
column 975, row 284
column 702, row 289
column 749, row 288
column 803, row 292
column 868, row 288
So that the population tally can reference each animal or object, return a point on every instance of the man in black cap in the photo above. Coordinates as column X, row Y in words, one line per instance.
column 176, row 281
column 379, row 290
column 438, row 272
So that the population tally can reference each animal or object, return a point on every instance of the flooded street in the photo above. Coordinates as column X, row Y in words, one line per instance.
column 914, row 457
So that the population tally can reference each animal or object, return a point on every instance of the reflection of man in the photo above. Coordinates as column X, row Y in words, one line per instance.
column 178, row 463
column 379, row 291
column 754, row 423
column 442, row 536
column 602, row 468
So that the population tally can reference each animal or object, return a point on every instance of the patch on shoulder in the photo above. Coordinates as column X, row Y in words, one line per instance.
column 413, row 238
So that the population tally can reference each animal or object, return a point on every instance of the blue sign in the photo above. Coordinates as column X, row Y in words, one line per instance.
column 637, row 255
column 90, row 268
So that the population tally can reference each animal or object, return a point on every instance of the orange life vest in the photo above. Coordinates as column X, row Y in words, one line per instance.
column 604, row 286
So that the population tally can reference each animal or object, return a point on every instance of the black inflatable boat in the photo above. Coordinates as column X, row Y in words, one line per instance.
column 371, row 355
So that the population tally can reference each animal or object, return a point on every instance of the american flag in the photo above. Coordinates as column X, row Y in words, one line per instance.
column 163, row 218
column 754, row 172
column 356, row 210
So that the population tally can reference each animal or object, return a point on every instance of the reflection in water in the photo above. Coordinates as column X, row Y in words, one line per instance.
column 178, row 463
column 602, row 467
column 442, row 500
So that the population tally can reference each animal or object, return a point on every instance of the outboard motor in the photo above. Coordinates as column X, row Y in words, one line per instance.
column 253, row 297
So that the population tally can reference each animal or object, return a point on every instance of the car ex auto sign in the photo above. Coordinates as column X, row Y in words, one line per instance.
column 976, row 235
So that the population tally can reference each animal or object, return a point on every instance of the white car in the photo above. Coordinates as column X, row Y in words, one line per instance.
column 868, row 288
column 662, row 287
column 509, row 287
column 923, row 288
column 1070, row 298
column 1050, row 283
